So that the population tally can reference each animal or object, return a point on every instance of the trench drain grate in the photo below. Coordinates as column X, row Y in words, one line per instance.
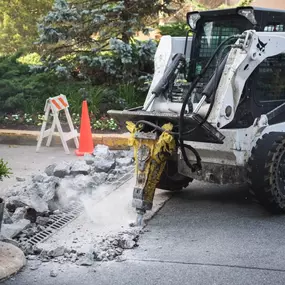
column 68, row 214
column 56, row 223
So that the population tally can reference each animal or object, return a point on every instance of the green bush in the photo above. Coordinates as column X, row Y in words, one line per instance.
column 4, row 169
column 174, row 30
column 130, row 96
column 21, row 89
column 25, row 88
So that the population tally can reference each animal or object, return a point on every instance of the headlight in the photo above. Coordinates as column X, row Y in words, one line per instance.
column 192, row 19
column 247, row 13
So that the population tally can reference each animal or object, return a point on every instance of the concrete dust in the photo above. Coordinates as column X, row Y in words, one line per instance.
column 102, row 232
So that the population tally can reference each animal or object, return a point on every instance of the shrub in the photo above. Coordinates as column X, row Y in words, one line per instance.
column 130, row 96
column 117, row 79
column 22, row 90
column 174, row 30
column 4, row 169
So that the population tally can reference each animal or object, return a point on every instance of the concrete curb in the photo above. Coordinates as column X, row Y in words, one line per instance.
column 15, row 137
column 12, row 259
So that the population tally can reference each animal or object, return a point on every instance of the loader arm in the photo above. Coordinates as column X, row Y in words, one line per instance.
column 248, row 52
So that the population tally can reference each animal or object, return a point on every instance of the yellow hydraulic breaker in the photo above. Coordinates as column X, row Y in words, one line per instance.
column 151, row 152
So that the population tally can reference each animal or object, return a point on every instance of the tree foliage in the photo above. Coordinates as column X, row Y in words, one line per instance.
column 221, row 3
column 178, row 29
column 80, row 26
column 18, row 23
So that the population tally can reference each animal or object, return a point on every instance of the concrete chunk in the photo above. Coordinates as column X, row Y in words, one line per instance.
column 89, row 158
column 126, row 161
column 19, row 214
column 101, row 151
column 11, row 230
column 104, row 165
column 82, row 182
column 59, row 251
column 61, row 170
column 80, row 167
column 39, row 177
column 53, row 273
column 99, row 178
column 20, row 179
column 127, row 241
column 42, row 220
column 6, row 217
column 49, row 169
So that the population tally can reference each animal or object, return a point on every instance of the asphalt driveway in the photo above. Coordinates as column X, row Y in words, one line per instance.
column 206, row 234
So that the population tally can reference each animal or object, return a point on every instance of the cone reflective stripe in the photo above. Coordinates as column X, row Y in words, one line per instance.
column 85, row 140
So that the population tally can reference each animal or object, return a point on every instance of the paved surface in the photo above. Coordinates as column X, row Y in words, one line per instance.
column 205, row 235
column 24, row 161
column 109, row 212
column 12, row 259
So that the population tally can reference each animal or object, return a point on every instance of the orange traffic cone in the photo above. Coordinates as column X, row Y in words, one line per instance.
column 85, row 141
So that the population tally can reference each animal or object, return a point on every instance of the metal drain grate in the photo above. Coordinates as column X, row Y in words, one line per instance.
column 57, row 222
column 67, row 215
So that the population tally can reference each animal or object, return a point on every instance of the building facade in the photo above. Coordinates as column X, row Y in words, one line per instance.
column 273, row 4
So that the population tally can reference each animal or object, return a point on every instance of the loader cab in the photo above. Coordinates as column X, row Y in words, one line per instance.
column 264, row 89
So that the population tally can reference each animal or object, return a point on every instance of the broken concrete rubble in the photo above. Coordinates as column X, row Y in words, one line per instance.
column 82, row 182
column 53, row 273
column 11, row 230
column 104, row 165
column 127, row 241
column 126, row 161
column 112, row 247
column 99, row 178
column 102, row 152
column 50, row 169
column 47, row 194
column 30, row 231
column 42, row 221
column 34, row 264
column 89, row 158
column 19, row 214
column 58, row 251
column 7, row 217
column 28, row 199
column 80, row 167
column 107, row 248
column 40, row 177
column 20, row 179
column 87, row 259
column 62, row 169
column 111, row 177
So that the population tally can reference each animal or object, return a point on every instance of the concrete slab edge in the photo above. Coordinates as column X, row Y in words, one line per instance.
column 12, row 260
column 22, row 137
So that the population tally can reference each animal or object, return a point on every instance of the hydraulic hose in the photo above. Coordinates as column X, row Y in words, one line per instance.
column 180, row 134
column 185, row 102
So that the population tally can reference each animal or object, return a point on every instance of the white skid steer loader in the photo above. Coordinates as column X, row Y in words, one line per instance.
column 215, row 110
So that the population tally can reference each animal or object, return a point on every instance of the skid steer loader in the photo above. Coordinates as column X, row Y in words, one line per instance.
column 215, row 110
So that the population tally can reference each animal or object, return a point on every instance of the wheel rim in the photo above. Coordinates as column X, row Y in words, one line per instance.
column 281, row 173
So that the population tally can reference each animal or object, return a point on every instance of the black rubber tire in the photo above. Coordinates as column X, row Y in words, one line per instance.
column 263, row 174
column 171, row 180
